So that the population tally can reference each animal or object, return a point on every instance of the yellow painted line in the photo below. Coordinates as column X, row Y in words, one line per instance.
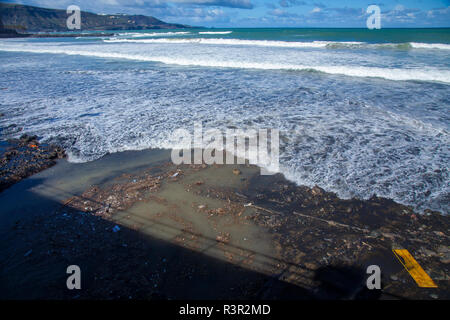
column 422, row 279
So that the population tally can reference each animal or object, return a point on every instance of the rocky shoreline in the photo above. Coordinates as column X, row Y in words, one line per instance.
column 23, row 157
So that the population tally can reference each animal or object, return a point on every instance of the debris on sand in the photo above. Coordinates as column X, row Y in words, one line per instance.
column 310, row 236
column 310, row 228
column 223, row 237
column 120, row 196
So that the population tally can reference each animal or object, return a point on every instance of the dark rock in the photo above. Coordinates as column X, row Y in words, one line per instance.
column 27, row 138
column 24, row 157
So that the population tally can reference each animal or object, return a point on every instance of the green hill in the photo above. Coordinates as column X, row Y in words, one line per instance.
column 34, row 19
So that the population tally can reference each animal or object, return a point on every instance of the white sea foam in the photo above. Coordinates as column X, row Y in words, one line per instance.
column 215, row 32
column 237, row 42
column 159, row 34
column 287, row 44
column 153, row 34
column 398, row 74
column 441, row 46
column 351, row 136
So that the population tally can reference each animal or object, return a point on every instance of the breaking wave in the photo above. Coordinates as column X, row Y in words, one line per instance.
column 212, row 41
column 153, row 34
column 398, row 74
column 289, row 44
column 441, row 46
column 352, row 135
column 215, row 32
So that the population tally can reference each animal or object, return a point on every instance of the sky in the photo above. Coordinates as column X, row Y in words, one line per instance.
column 267, row 13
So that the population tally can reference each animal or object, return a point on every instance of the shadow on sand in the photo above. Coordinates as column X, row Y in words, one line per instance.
column 39, row 245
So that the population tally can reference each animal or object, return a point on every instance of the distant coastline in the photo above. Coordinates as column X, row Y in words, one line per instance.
column 15, row 34
column 16, row 19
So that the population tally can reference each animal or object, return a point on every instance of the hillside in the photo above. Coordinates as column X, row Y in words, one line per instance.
column 34, row 19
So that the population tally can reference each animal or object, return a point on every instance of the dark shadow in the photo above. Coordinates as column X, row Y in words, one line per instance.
column 38, row 248
column 343, row 282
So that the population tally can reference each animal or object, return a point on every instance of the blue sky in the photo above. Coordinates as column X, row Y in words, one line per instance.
column 266, row 13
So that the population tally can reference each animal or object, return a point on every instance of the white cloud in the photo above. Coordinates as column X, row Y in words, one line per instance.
column 242, row 4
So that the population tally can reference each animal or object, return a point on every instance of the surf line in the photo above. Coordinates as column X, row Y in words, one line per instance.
column 209, row 147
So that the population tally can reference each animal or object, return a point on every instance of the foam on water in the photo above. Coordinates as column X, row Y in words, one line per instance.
column 340, row 128
column 238, row 42
column 226, row 60
column 430, row 46
column 286, row 44
column 215, row 32
column 154, row 34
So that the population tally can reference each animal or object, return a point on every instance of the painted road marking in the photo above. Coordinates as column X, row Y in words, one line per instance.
column 422, row 279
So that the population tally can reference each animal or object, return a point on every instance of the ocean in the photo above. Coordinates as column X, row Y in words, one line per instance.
column 360, row 112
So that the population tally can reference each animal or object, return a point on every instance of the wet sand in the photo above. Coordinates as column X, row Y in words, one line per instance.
column 140, row 227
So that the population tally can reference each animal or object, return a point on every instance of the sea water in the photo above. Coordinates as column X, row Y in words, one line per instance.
column 360, row 112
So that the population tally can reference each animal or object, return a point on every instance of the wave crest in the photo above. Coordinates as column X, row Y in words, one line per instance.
column 398, row 74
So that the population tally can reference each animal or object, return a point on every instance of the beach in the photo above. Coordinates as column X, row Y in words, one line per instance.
column 142, row 228
column 87, row 128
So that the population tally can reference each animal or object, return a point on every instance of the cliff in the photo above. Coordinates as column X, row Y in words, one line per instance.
column 34, row 19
